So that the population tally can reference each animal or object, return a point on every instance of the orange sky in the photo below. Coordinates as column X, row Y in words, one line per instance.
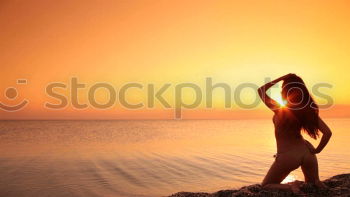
column 170, row 42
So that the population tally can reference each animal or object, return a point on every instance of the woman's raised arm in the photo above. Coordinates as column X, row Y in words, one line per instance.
column 269, row 102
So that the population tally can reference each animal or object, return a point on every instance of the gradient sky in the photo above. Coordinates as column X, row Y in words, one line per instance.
column 170, row 42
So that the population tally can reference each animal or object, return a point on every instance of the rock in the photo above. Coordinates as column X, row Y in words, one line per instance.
column 339, row 185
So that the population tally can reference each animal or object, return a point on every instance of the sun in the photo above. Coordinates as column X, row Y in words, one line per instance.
column 278, row 98
column 281, row 102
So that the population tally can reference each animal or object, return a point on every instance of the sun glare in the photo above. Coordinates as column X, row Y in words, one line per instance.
column 278, row 98
column 281, row 102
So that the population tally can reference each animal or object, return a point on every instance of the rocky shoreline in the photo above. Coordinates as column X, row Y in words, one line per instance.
column 339, row 185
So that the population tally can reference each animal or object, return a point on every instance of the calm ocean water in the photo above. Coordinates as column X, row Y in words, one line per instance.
column 146, row 158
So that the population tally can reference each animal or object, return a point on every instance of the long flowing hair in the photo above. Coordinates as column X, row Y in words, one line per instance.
column 301, row 104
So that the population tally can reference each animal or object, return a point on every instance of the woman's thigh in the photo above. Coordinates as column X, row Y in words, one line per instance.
column 280, row 169
column 310, row 168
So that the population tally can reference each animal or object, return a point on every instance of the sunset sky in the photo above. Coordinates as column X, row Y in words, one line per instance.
column 174, row 42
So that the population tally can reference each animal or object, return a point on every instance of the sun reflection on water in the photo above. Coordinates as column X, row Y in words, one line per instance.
column 290, row 178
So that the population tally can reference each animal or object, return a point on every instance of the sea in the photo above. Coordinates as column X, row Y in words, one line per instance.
column 147, row 158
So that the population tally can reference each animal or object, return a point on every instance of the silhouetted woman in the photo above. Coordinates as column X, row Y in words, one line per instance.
column 299, row 113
